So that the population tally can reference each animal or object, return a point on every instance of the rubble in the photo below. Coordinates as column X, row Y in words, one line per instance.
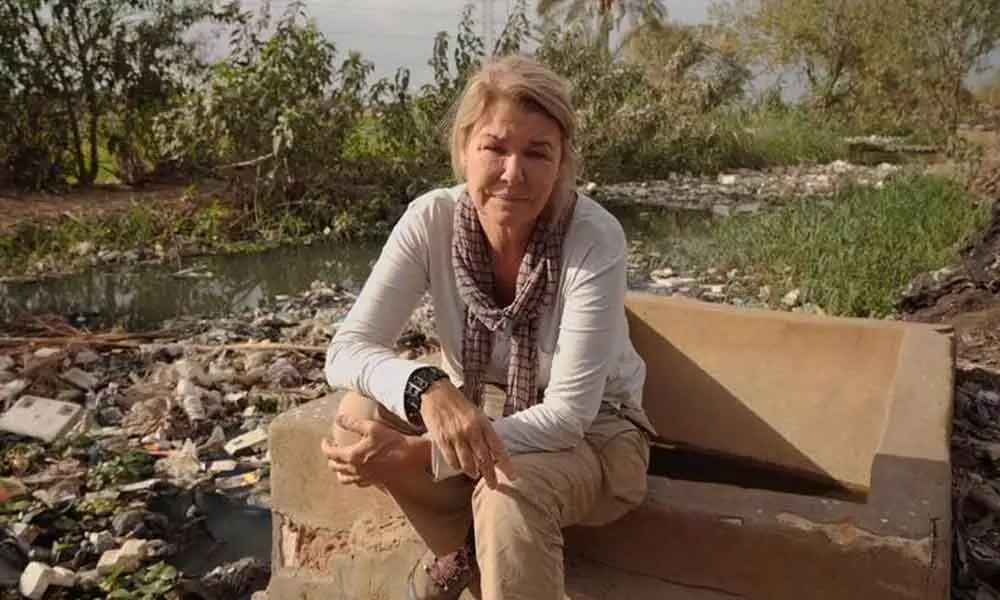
column 976, row 484
column 746, row 190
column 117, row 448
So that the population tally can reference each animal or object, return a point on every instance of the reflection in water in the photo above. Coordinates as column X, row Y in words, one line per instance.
column 145, row 295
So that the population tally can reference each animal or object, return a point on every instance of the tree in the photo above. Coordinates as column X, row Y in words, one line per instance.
column 101, row 64
column 606, row 15
column 895, row 61
column 697, row 61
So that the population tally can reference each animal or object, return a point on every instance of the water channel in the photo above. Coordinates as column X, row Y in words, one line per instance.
column 140, row 296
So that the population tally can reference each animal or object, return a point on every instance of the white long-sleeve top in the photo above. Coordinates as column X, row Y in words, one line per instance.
column 585, row 355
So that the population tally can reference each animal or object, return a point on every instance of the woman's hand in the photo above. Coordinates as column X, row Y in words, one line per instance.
column 381, row 453
column 464, row 433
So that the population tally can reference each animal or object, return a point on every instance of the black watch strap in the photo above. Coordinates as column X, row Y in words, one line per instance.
column 416, row 385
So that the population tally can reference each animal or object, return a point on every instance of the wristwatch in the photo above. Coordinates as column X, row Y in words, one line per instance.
column 416, row 385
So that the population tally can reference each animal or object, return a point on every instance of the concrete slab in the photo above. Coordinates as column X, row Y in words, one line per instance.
column 808, row 458
column 40, row 418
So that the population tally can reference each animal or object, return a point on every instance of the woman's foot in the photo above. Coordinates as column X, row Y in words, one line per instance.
column 442, row 577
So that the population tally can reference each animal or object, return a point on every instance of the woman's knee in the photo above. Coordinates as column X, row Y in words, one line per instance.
column 549, row 488
column 358, row 406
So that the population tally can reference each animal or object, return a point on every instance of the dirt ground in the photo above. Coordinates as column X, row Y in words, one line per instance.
column 965, row 296
column 42, row 209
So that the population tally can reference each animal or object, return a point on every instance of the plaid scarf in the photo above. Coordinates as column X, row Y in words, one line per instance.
column 537, row 280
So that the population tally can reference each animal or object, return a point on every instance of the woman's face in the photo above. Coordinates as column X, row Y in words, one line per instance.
column 512, row 161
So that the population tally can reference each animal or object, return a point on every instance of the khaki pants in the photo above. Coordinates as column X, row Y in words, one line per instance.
column 518, row 525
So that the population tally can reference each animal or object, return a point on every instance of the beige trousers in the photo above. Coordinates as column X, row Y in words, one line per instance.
column 518, row 525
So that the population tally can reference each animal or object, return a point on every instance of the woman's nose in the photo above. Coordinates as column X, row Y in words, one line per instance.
column 513, row 169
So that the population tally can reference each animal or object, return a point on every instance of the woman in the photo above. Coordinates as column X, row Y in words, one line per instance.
column 527, row 282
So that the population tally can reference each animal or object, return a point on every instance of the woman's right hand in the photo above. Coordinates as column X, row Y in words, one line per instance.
column 464, row 433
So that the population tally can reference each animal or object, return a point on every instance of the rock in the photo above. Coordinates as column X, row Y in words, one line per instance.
column 110, row 562
column 126, row 559
column 47, row 352
column 24, row 533
column 124, row 523
column 791, row 299
column 282, row 373
column 11, row 390
column 84, row 248
column 86, row 357
column 7, row 363
column 81, row 379
column 133, row 551
column 102, row 541
column 63, row 577
column 35, row 580
column 89, row 577
column 239, row 579
column 190, row 370
column 661, row 274
column 159, row 549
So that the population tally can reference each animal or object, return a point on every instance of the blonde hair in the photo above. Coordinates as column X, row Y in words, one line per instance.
column 531, row 84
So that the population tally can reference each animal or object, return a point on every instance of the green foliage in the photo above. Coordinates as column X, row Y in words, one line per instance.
column 853, row 257
column 153, row 582
column 887, row 66
column 128, row 467
column 82, row 74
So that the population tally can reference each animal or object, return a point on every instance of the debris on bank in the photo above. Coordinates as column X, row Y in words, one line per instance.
column 125, row 455
column 746, row 191
column 975, row 455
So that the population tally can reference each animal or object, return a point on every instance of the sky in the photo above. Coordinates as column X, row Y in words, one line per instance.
column 395, row 33
column 400, row 33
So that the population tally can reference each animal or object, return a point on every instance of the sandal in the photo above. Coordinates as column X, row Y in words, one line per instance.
column 442, row 578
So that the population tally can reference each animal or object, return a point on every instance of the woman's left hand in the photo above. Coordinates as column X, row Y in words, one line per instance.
column 380, row 453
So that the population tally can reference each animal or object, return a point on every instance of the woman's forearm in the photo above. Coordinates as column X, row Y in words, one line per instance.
column 418, row 454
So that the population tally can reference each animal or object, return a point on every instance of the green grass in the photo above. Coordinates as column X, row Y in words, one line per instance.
column 790, row 137
column 855, row 257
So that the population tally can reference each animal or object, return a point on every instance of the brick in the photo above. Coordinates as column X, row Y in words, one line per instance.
column 40, row 418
